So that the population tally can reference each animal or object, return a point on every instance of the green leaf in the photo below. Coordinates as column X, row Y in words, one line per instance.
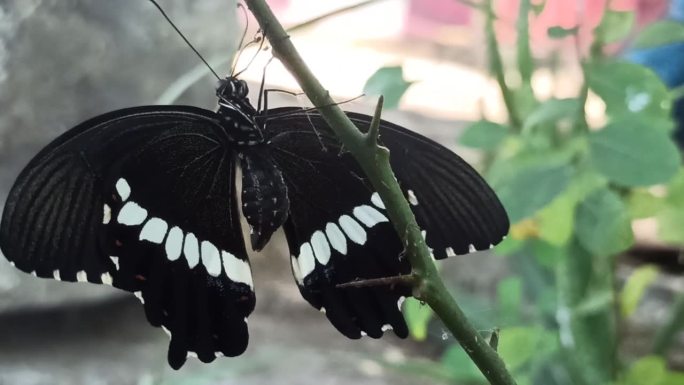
column 552, row 111
column 671, row 225
column 484, row 134
column 556, row 220
column 643, row 204
column 526, row 190
column 525, row 100
column 460, row 366
column 675, row 190
column 585, row 182
column 602, row 224
column 671, row 217
column 635, row 287
column 630, row 153
column 538, row 7
column 594, row 303
column 417, row 317
column 673, row 378
column 629, row 88
column 389, row 82
column 546, row 254
column 647, row 370
column 615, row 26
column 558, row 32
column 509, row 295
column 662, row 32
column 518, row 345
column 509, row 246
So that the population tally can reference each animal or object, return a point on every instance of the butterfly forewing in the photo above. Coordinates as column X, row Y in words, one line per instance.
column 455, row 207
column 143, row 199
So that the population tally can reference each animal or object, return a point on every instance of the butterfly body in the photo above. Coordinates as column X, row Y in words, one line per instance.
column 145, row 199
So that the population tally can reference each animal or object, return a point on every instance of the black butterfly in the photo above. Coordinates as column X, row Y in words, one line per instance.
column 144, row 199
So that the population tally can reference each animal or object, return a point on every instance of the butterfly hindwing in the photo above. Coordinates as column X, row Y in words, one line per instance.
column 338, row 230
column 143, row 199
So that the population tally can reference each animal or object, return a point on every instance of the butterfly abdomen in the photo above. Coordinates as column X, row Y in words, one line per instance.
column 265, row 202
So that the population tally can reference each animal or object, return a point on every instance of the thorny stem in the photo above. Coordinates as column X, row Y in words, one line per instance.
column 374, row 160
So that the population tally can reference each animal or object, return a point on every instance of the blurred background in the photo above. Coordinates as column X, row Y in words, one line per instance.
column 569, row 108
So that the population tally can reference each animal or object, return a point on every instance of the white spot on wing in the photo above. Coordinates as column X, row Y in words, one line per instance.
column 106, row 278
column 211, row 259
column 471, row 249
column 369, row 216
column 337, row 239
column 450, row 252
column 400, row 302
column 154, row 230
column 306, row 259
column 386, row 327
column 123, row 189
column 236, row 269
column 412, row 198
column 353, row 229
column 377, row 201
column 191, row 250
column 55, row 275
column 167, row 331
column 81, row 276
column 115, row 261
column 320, row 246
column 174, row 243
column 106, row 214
column 139, row 296
column 131, row 214
column 295, row 270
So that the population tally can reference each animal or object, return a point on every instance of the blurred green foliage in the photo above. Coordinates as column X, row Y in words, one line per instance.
column 572, row 189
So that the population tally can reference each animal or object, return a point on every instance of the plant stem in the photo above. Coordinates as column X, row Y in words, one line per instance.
column 496, row 66
column 674, row 324
column 374, row 160
column 525, row 61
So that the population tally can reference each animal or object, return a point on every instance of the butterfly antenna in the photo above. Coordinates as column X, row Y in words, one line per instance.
column 184, row 38
column 261, row 45
column 242, row 39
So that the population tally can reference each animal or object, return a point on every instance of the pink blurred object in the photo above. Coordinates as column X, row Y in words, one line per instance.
column 586, row 14
column 426, row 18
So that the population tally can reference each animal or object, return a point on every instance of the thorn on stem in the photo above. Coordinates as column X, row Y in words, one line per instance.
column 374, row 130
column 405, row 280
column 494, row 339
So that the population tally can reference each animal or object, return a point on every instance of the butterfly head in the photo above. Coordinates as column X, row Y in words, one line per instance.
column 232, row 90
column 239, row 113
